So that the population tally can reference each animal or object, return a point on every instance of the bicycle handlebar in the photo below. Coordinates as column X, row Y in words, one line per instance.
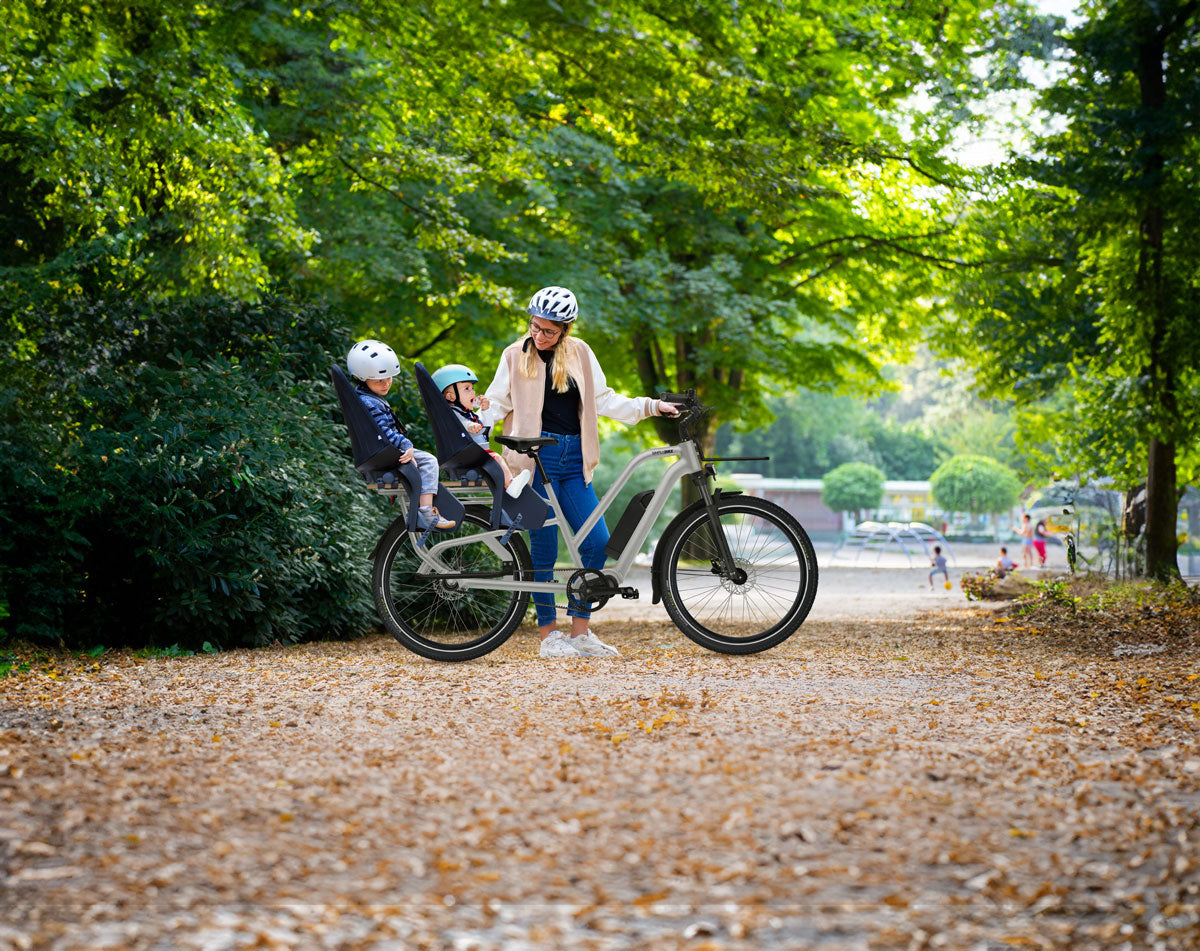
column 690, row 409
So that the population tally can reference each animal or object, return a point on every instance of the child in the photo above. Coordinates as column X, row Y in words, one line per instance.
column 1005, row 565
column 457, row 383
column 374, row 364
column 1025, row 530
column 939, row 565
column 1040, row 533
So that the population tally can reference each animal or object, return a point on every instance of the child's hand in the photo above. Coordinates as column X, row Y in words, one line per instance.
column 484, row 402
column 406, row 456
column 474, row 427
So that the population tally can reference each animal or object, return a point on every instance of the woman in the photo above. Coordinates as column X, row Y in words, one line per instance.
column 549, row 383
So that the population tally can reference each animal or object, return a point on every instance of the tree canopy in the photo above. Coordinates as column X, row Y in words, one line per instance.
column 740, row 194
column 852, row 487
column 975, row 484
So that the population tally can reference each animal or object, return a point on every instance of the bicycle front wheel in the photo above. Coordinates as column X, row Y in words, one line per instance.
column 445, row 619
column 759, row 606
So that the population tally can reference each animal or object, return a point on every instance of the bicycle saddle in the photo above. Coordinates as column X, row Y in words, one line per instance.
column 526, row 444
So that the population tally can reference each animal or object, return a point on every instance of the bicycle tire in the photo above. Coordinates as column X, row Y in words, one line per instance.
column 436, row 619
column 724, row 616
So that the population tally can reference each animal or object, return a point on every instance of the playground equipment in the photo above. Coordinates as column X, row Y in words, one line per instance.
column 878, row 536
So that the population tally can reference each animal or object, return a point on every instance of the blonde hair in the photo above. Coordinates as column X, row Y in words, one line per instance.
column 564, row 349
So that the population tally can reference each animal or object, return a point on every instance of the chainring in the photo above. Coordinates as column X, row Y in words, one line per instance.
column 588, row 590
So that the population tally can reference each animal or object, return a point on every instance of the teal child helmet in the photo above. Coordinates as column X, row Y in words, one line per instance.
column 453, row 373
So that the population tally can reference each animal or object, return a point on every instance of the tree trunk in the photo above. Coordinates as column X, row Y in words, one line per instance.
column 1133, row 513
column 1162, row 546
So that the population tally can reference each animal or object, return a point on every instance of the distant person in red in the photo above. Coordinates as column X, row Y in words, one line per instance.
column 1039, row 541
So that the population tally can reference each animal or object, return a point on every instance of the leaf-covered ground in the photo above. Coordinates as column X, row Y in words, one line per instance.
column 942, row 781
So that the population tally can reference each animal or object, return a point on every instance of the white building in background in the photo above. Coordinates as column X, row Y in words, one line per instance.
column 902, row 501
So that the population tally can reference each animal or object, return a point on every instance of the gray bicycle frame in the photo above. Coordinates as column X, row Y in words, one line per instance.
column 689, row 462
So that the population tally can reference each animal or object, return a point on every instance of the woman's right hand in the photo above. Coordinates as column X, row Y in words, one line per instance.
column 667, row 409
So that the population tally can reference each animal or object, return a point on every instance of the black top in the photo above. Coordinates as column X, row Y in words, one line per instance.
column 560, row 411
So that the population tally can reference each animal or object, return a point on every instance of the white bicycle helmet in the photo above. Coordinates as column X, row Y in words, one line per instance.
column 554, row 303
column 372, row 360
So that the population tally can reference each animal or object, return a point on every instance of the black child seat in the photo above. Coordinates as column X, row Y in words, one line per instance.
column 379, row 461
column 464, row 459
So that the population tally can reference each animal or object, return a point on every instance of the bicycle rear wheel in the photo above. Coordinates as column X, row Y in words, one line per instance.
column 441, row 618
column 769, row 598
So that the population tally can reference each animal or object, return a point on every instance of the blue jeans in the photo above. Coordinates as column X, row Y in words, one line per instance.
column 564, row 467
column 427, row 465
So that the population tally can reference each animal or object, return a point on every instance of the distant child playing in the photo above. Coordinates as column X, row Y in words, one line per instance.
column 457, row 383
column 1005, row 565
column 938, row 563
column 374, row 364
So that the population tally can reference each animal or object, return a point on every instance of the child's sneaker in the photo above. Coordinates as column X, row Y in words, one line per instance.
column 519, row 481
column 433, row 521
column 589, row 645
column 558, row 645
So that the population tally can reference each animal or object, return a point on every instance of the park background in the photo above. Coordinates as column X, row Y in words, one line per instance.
column 785, row 207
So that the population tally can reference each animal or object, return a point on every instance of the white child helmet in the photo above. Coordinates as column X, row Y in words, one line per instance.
column 372, row 360
column 554, row 303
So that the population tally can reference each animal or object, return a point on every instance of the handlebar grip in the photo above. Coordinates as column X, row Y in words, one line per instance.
column 688, row 397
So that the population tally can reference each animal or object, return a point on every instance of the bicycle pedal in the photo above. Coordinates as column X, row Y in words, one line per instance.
column 629, row 594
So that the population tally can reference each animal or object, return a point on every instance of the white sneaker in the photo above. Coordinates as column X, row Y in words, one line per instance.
column 558, row 645
column 520, row 480
column 589, row 645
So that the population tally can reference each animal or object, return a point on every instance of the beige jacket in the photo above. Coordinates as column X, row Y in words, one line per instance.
column 517, row 402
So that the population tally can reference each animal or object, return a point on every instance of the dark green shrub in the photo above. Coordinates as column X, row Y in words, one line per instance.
column 179, row 473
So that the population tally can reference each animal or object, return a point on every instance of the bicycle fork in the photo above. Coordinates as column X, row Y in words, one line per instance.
column 727, row 569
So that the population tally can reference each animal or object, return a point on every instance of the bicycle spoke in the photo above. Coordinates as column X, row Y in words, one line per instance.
column 759, row 594
column 447, row 614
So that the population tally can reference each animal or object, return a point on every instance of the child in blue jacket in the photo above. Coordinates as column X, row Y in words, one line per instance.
column 374, row 364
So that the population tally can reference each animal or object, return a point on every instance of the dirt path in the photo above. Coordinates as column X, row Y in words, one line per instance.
column 939, row 781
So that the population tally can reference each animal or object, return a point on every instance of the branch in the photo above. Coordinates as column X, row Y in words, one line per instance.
column 870, row 239
column 917, row 168
column 441, row 335
column 419, row 212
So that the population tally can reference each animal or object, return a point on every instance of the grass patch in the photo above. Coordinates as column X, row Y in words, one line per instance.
column 1116, row 609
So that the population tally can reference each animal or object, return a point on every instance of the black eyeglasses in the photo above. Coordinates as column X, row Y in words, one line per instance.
column 543, row 332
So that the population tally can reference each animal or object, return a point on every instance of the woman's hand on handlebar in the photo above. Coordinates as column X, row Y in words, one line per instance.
column 667, row 409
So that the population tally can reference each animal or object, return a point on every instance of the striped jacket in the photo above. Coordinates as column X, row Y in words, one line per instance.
column 385, row 418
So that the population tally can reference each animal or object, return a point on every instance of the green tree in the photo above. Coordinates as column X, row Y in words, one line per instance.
column 904, row 451
column 815, row 432
column 852, row 487
column 975, row 484
column 128, row 157
column 1095, row 242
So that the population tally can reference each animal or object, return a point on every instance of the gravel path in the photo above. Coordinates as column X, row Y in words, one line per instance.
column 936, row 780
